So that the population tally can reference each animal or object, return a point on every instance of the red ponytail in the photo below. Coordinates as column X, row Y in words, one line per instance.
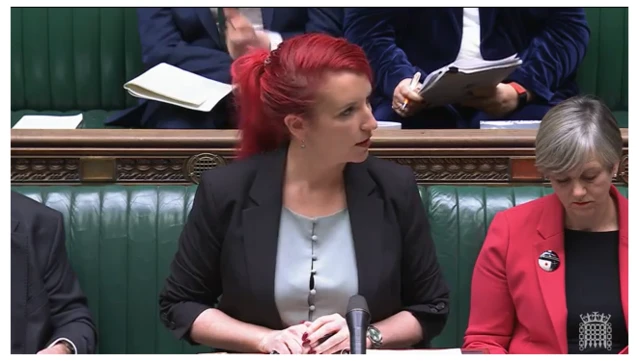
column 271, row 85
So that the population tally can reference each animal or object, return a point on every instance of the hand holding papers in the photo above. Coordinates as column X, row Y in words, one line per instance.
column 412, row 86
column 453, row 83
column 406, row 100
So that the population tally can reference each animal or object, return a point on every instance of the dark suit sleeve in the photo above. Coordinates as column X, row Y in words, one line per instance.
column 194, row 283
column 70, row 316
column 161, row 41
column 372, row 29
column 555, row 53
column 424, row 291
column 320, row 20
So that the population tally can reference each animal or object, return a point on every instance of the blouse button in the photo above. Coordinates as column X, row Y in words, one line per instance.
column 313, row 292
column 312, row 308
column 314, row 238
column 314, row 257
column 313, row 271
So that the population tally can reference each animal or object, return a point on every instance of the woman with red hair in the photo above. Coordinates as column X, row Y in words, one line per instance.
column 305, row 218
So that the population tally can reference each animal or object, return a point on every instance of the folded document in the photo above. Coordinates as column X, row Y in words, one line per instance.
column 453, row 83
column 170, row 84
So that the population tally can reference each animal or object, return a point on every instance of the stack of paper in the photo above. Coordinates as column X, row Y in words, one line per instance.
column 49, row 122
column 509, row 124
column 453, row 83
column 389, row 125
column 169, row 84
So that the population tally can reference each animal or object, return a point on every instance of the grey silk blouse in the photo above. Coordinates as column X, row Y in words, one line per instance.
column 316, row 271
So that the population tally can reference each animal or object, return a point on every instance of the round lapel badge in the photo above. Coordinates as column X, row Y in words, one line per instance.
column 549, row 261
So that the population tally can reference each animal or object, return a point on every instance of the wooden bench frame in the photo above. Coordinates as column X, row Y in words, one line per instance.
column 150, row 156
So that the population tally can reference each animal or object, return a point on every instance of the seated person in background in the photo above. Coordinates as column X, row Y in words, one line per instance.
column 49, row 313
column 402, row 41
column 205, row 41
column 552, row 275
column 305, row 219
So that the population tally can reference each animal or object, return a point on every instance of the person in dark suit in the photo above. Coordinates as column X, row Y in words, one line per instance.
column 402, row 41
column 205, row 41
column 552, row 276
column 304, row 219
column 49, row 313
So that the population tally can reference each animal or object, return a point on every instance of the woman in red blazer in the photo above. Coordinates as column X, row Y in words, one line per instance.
column 552, row 275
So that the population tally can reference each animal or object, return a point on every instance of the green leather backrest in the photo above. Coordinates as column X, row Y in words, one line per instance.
column 459, row 217
column 604, row 71
column 73, row 58
column 121, row 240
column 79, row 58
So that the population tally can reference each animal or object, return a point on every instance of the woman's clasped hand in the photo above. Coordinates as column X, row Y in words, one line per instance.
column 326, row 335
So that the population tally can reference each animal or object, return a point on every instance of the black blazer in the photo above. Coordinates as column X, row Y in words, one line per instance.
column 229, row 243
column 46, row 300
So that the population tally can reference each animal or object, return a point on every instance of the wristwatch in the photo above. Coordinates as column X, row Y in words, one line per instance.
column 375, row 336
column 522, row 94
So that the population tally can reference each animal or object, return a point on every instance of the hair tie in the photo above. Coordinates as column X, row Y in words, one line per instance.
column 272, row 54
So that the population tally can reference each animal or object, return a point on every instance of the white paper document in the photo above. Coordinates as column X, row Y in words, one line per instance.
column 170, row 84
column 453, row 83
column 49, row 122
column 509, row 124
column 389, row 125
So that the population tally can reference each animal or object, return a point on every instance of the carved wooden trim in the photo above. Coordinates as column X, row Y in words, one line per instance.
column 151, row 170
column 180, row 156
column 185, row 170
column 45, row 170
column 457, row 169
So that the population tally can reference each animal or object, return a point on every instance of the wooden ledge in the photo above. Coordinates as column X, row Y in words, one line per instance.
column 158, row 156
column 152, row 138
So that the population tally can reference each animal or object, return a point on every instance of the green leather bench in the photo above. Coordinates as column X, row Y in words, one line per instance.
column 121, row 240
column 66, row 60
column 71, row 60
column 605, row 70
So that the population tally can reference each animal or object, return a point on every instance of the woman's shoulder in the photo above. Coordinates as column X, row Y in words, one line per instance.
column 229, row 178
column 390, row 173
column 525, row 213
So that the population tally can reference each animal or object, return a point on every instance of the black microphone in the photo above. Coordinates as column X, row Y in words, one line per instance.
column 358, row 319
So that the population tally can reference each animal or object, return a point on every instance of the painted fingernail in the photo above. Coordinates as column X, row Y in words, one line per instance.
column 304, row 336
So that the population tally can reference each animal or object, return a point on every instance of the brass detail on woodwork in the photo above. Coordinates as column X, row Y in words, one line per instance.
column 202, row 162
column 98, row 169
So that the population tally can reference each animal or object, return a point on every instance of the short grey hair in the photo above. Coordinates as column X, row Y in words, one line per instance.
column 574, row 131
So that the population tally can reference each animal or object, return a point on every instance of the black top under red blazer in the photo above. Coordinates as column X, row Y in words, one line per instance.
column 229, row 243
